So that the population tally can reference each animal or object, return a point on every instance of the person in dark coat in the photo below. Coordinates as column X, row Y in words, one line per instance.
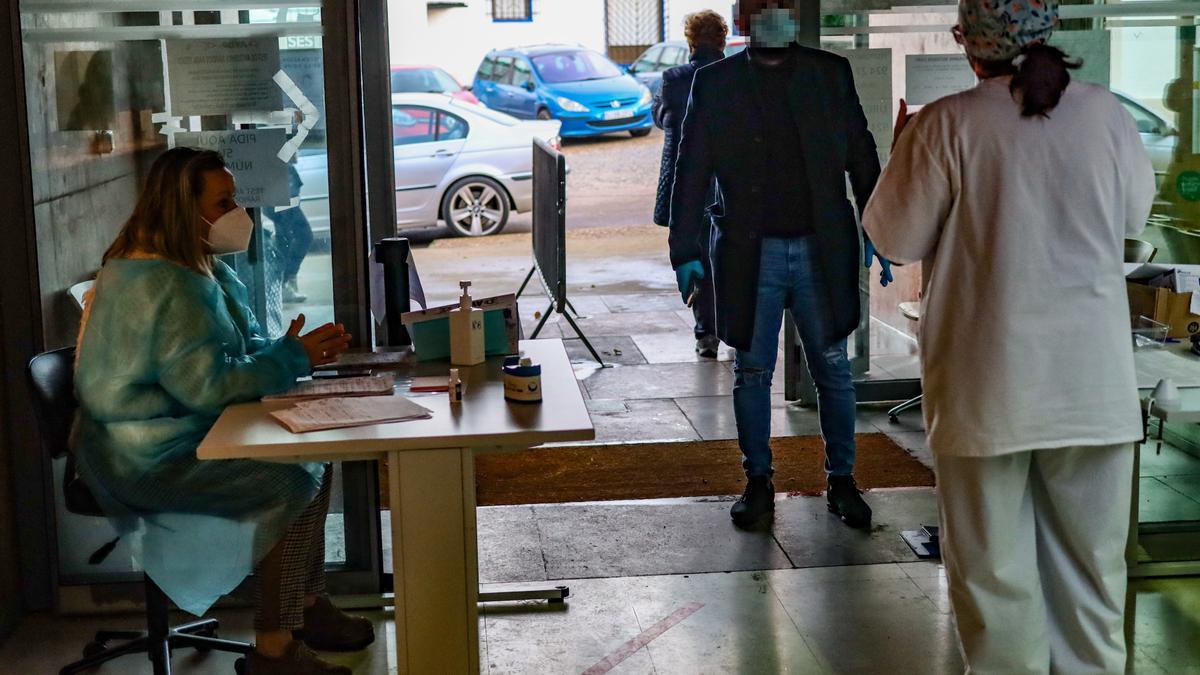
column 779, row 126
column 705, row 32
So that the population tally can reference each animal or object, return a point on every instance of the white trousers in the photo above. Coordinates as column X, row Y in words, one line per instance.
column 1034, row 548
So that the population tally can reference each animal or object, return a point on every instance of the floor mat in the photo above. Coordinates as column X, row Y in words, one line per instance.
column 687, row 469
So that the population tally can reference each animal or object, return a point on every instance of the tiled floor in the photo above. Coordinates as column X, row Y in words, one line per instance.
column 886, row 618
column 673, row 586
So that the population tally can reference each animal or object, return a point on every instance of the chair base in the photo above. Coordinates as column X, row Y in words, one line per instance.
column 894, row 413
column 198, row 635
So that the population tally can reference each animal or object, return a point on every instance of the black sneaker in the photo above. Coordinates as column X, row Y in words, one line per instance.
column 756, row 508
column 846, row 501
column 708, row 347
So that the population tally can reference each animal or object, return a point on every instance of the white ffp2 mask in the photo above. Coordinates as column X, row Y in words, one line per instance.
column 231, row 233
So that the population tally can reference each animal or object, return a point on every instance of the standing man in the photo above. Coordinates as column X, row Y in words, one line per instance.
column 705, row 32
column 779, row 126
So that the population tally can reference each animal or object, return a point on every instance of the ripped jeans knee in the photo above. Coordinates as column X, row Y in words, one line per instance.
column 747, row 377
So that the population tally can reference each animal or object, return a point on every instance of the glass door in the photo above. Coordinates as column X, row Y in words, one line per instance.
column 113, row 84
column 1145, row 53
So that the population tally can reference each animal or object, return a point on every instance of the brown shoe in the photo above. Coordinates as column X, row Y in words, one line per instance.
column 297, row 660
column 329, row 629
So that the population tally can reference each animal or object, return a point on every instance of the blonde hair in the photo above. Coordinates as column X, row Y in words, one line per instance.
column 166, row 220
column 705, row 29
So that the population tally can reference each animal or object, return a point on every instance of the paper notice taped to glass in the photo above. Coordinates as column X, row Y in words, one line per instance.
column 342, row 413
column 930, row 77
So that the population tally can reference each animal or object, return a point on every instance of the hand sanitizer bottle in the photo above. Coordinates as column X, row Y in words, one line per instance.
column 466, row 331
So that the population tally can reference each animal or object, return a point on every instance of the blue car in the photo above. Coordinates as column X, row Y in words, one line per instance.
column 583, row 89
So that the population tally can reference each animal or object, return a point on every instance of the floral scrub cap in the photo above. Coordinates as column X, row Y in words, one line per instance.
column 997, row 30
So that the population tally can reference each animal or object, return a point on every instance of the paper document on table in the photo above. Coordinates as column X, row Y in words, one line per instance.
column 340, row 413
column 1188, row 282
column 375, row 360
column 327, row 387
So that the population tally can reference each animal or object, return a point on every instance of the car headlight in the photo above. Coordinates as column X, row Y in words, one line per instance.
column 570, row 105
column 646, row 96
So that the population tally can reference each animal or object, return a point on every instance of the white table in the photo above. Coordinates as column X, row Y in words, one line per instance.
column 432, row 488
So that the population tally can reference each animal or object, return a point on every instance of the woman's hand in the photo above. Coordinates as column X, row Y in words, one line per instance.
column 323, row 345
column 902, row 121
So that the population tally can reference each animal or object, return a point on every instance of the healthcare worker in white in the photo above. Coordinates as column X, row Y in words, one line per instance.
column 1016, row 196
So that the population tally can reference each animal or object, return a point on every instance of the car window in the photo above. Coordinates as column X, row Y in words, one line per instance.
column 1147, row 123
column 503, row 69
column 422, row 80
column 451, row 127
column 482, row 111
column 413, row 124
column 521, row 74
column 447, row 83
column 574, row 66
column 486, row 69
column 671, row 57
column 648, row 61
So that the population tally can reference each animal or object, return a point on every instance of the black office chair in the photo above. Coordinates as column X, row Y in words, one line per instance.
column 52, row 382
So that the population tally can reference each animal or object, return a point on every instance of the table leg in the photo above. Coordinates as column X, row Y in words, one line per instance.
column 434, row 561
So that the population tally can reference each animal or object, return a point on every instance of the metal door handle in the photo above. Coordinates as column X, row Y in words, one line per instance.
column 441, row 153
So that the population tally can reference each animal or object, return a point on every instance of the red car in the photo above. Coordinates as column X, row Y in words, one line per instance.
column 428, row 80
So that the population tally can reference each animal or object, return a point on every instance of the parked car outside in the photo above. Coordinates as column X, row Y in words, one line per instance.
column 583, row 89
column 1157, row 134
column 734, row 45
column 649, row 67
column 456, row 162
column 428, row 80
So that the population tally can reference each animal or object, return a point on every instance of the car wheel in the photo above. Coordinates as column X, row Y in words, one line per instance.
column 639, row 133
column 544, row 114
column 475, row 207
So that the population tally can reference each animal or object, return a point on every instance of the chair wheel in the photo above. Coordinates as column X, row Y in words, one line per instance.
column 93, row 648
column 239, row 666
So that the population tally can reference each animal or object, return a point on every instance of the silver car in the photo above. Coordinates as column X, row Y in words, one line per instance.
column 1157, row 134
column 455, row 162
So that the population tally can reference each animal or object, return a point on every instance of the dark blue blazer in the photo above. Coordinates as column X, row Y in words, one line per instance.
column 724, row 136
column 669, row 107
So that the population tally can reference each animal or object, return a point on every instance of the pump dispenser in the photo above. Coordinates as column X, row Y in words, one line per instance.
column 466, row 331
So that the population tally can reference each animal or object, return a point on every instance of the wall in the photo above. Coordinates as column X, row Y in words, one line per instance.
column 81, row 198
column 677, row 10
column 458, row 38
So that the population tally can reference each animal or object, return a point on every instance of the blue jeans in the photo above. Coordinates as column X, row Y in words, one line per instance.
column 789, row 278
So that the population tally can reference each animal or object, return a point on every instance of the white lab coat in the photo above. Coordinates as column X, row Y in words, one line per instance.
column 1020, row 222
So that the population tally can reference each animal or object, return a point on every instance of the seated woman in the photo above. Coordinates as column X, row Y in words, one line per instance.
column 168, row 340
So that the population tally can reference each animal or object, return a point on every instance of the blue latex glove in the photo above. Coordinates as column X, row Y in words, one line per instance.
column 688, row 276
column 885, row 265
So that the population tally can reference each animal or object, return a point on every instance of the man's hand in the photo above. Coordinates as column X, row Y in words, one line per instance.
column 688, row 276
column 323, row 345
column 902, row 121
column 885, row 265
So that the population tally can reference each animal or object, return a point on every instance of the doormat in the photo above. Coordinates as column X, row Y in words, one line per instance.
column 689, row 469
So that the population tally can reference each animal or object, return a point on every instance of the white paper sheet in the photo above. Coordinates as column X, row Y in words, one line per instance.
column 341, row 413
column 328, row 387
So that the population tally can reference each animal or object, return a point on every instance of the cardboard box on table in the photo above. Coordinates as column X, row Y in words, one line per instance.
column 1163, row 305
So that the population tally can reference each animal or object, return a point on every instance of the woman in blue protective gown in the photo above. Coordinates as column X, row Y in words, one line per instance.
column 167, row 341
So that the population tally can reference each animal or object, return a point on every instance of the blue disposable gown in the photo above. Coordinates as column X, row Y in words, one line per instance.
column 164, row 350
